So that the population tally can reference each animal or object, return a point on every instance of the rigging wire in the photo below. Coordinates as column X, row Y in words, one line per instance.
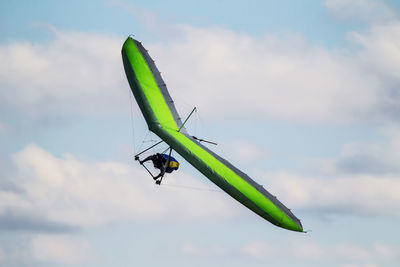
column 132, row 126
column 144, row 140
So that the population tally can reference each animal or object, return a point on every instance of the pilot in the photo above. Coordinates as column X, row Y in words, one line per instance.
column 160, row 162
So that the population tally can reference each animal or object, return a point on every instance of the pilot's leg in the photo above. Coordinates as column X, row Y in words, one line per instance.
column 146, row 159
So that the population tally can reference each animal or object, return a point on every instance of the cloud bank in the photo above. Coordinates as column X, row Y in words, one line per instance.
column 283, row 78
column 62, row 194
column 276, row 77
column 364, row 179
column 371, row 11
column 307, row 253
column 73, row 73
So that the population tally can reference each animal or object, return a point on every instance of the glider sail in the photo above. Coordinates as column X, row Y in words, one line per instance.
column 162, row 118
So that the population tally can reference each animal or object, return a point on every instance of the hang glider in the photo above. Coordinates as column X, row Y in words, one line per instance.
column 162, row 118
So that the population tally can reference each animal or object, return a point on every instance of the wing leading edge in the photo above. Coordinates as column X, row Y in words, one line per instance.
column 162, row 118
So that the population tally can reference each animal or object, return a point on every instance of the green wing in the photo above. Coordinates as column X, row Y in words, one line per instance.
column 162, row 118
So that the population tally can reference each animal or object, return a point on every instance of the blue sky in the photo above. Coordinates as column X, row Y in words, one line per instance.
column 301, row 95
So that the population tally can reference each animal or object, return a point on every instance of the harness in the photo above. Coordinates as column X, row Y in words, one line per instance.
column 173, row 163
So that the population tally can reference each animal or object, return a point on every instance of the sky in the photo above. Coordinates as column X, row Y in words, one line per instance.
column 303, row 96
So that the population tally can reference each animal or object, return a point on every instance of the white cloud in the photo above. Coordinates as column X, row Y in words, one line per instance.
column 243, row 151
column 301, row 251
column 231, row 75
column 211, row 251
column 364, row 179
column 63, row 249
column 366, row 10
column 190, row 249
column 386, row 252
column 367, row 158
column 381, row 51
column 308, row 251
column 70, row 192
column 350, row 252
column 346, row 254
column 378, row 159
column 225, row 74
column 74, row 72
column 367, row 256
column 351, row 194
column 260, row 250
